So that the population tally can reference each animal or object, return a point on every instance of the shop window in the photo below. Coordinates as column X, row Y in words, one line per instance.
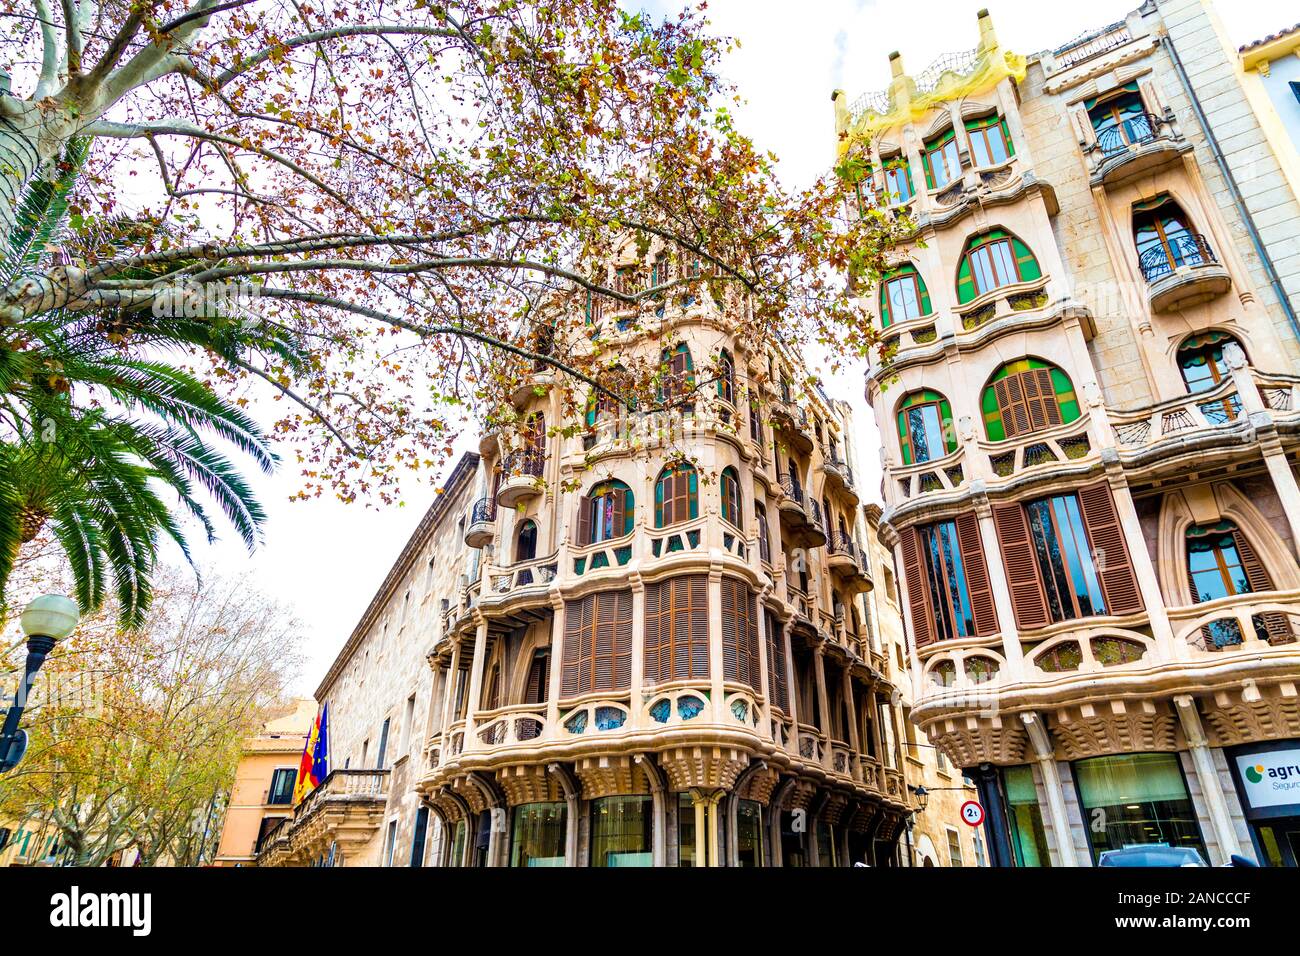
column 749, row 833
column 1136, row 799
column 622, row 832
column 1025, row 818
column 539, row 834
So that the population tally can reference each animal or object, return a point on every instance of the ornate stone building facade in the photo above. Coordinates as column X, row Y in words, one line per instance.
column 1089, row 413
column 654, row 649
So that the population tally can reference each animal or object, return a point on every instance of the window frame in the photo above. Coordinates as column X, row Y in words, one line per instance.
column 939, row 146
column 943, row 412
column 729, row 493
column 981, row 131
column 1067, row 539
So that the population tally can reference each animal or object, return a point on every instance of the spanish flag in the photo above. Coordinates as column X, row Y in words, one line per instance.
column 315, row 763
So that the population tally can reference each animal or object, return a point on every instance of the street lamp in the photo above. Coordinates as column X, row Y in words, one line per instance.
column 46, row 621
column 922, row 797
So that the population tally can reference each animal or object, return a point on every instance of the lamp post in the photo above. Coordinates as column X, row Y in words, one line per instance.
column 46, row 621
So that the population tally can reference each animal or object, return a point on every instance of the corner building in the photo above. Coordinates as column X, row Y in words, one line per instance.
column 663, row 658
column 1088, row 405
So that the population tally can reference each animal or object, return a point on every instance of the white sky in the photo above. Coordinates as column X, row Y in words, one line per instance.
column 327, row 559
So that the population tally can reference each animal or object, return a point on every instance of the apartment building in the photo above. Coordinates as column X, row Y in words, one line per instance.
column 262, row 794
column 640, row 642
column 1087, row 395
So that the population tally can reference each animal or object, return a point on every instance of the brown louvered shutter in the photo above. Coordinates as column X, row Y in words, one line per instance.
column 1110, row 554
column 1258, row 578
column 977, row 575
column 1028, row 600
column 539, row 678
column 776, row 676
column 699, row 625
column 1040, row 398
column 918, row 591
column 755, row 674
column 492, row 699
column 730, row 629
column 575, row 613
column 679, row 624
column 1010, row 396
column 584, row 521
column 655, row 633
column 602, row 656
column 620, row 511
column 622, row 640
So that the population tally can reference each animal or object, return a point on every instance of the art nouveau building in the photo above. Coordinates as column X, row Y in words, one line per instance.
column 663, row 659
column 641, row 642
column 1088, row 403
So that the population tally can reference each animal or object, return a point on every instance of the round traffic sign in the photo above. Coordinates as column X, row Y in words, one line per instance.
column 972, row 813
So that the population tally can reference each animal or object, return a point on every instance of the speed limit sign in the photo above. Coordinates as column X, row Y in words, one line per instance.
column 972, row 813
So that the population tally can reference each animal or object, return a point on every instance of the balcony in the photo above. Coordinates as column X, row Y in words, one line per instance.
column 1182, row 271
column 1138, row 146
column 792, row 422
column 1248, row 623
column 482, row 523
column 1190, row 422
column 343, row 813
column 1063, row 443
column 839, row 473
column 801, row 515
column 942, row 474
column 847, row 563
column 522, row 476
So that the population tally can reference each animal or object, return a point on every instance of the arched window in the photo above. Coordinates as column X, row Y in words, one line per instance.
column 677, row 494
column 607, row 512
column 1120, row 120
column 990, row 140
column 993, row 260
column 1222, row 563
column 526, row 541
column 903, row 296
column 942, row 160
column 1200, row 359
column 727, row 378
column 1025, row 397
column 1165, row 240
column 925, row 429
column 678, row 376
column 730, row 487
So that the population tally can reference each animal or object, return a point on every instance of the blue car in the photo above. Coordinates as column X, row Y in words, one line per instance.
column 1154, row 854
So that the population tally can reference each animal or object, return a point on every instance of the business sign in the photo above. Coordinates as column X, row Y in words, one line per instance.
column 1270, row 778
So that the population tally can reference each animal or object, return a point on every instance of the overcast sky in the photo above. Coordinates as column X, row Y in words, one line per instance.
column 326, row 559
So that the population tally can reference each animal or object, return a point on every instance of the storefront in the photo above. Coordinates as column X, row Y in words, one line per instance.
column 1268, row 782
column 1136, row 799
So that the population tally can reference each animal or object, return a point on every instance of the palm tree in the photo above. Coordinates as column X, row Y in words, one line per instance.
column 96, row 428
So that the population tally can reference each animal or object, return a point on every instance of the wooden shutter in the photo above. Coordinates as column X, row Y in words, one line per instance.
column 492, row 699
column 977, row 575
column 776, row 676
column 730, row 629
column 918, row 590
column 1277, row 625
column 620, row 511
column 585, row 506
column 577, row 619
column 655, row 633
column 1119, row 583
column 539, row 678
column 622, row 607
column 1040, row 398
column 1028, row 599
column 1010, row 396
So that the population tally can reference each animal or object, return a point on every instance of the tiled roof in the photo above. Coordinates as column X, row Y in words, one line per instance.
column 1268, row 39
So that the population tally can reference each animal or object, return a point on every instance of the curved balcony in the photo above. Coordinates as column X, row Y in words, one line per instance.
column 801, row 515
column 482, row 523
column 793, row 424
column 941, row 474
column 847, row 562
column 840, row 474
column 1182, row 273
column 1062, row 444
column 1188, row 422
column 523, row 470
column 1138, row 146
column 344, row 811
column 515, row 588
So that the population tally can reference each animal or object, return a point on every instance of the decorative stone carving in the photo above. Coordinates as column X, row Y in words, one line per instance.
column 703, row 767
column 1114, row 727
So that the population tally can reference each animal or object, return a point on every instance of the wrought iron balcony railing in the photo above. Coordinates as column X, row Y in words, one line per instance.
column 1134, row 131
column 1189, row 249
